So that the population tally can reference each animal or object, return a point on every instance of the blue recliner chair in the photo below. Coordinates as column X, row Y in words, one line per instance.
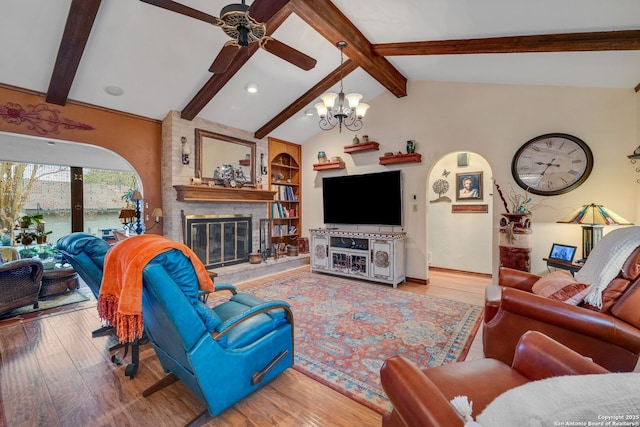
column 85, row 252
column 221, row 353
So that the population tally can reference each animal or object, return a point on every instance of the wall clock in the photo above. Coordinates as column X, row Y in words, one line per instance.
column 551, row 164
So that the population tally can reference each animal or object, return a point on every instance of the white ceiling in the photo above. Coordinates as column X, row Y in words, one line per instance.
column 161, row 59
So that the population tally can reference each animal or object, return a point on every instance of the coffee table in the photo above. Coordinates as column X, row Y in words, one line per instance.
column 58, row 280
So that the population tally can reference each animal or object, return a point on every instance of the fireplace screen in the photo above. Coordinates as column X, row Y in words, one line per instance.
column 219, row 240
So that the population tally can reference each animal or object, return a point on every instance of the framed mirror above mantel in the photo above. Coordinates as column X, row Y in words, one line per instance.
column 214, row 149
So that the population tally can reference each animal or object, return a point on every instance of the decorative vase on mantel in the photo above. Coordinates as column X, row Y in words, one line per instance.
column 515, row 241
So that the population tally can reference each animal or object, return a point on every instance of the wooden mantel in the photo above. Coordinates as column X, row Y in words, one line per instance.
column 202, row 193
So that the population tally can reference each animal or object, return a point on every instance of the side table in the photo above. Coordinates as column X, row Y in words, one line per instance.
column 58, row 280
column 572, row 267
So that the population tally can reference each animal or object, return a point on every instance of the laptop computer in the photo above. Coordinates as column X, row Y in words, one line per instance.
column 562, row 252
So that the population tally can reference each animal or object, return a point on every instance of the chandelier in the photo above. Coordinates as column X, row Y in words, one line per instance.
column 340, row 109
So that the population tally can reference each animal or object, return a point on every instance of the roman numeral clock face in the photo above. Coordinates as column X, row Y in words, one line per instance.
column 552, row 164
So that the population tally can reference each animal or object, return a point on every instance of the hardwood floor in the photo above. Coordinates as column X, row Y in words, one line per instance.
column 53, row 373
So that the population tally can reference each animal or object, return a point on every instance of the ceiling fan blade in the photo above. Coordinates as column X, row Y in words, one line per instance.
column 289, row 54
column 263, row 10
column 224, row 58
column 184, row 10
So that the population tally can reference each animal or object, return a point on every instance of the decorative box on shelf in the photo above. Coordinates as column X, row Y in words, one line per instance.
column 364, row 146
column 401, row 158
column 328, row 165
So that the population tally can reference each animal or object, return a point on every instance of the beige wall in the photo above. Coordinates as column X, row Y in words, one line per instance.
column 493, row 121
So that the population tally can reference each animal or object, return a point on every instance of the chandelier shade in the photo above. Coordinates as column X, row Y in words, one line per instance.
column 593, row 218
column 338, row 109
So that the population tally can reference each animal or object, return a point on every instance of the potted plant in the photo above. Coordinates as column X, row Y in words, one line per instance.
column 46, row 251
column 28, row 252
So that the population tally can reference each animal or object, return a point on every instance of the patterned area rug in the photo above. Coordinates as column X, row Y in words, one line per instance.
column 46, row 303
column 345, row 329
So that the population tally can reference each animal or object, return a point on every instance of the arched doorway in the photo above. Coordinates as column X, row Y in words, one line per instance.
column 459, row 221
column 71, row 186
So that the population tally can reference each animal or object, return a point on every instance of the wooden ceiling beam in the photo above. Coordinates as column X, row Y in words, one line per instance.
column 82, row 14
column 217, row 81
column 313, row 93
column 330, row 22
column 570, row 42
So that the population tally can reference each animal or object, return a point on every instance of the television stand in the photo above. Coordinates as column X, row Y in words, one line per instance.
column 375, row 256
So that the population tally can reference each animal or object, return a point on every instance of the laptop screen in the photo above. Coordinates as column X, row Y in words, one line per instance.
column 562, row 252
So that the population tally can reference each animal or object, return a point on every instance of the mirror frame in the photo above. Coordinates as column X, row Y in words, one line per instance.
column 202, row 134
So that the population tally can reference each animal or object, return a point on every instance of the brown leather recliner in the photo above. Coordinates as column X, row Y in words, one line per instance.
column 611, row 336
column 422, row 398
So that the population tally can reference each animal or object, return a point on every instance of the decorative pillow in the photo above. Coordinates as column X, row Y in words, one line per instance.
column 560, row 285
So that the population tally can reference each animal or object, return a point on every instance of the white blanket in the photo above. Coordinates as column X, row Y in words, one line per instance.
column 601, row 398
column 606, row 260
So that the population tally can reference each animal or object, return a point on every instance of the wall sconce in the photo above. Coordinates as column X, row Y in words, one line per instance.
column 157, row 213
column 263, row 166
column 186, row 151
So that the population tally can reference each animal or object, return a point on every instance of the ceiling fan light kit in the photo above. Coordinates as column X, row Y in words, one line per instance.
column 241, row 27
column 243, row 24
column 348, row 111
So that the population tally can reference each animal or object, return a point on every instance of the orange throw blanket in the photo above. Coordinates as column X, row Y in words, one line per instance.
column 120, row 298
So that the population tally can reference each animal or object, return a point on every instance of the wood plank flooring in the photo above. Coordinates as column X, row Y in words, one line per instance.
column 52, row 373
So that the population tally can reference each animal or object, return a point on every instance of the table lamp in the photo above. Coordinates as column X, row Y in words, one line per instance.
column 593, row 218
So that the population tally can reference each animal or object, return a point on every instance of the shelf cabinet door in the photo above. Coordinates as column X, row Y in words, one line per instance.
column 359, row 264
column 320, row 248
column 382, row 255
column 353, row 263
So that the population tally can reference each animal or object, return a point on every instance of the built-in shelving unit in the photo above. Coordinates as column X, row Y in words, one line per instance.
column 364, row 146
column 285, row 179
column 401, row 158
column 328, row 165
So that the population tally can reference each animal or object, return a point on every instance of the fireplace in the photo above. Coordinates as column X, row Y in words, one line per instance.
column 219, row 240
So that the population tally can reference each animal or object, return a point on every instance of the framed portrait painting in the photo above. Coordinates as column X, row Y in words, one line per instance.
column 469, row 186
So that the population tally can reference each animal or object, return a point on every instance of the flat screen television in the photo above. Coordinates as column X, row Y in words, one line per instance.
column 367, row 199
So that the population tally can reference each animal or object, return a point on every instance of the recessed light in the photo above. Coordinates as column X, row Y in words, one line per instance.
column 51, row 143
column 251, row 87
column 309, row 112
column 114, row 90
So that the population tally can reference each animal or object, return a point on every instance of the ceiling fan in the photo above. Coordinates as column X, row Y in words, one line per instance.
column 245, row 25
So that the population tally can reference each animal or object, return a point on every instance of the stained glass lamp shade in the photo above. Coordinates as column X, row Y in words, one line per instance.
column 593, row 218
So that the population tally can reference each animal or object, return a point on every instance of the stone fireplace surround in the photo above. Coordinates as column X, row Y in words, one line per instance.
column 175, row 173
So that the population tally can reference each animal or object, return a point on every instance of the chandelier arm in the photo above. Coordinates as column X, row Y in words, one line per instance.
column 326, row 124
column 352, row 122
column 341, row 113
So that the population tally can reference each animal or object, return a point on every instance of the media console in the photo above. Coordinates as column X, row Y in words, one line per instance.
column 375, row 256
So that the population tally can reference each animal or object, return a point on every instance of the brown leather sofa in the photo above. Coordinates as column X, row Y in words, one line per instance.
column 610, row 336
column 422, row 398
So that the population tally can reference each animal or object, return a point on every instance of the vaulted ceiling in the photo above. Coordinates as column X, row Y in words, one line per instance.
column 160, row 59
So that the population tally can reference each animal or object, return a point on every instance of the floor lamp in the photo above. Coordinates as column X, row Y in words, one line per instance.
column 593, row 218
